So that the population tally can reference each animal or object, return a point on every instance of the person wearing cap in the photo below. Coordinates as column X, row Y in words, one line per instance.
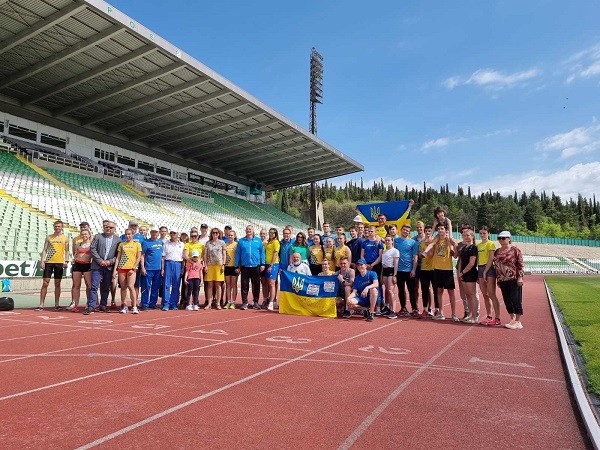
column 151, row 265
column 204, row 237
column 508, row 261
column 188, row 247
column 172, row 262
column 365, row 292
column 192, row 277
column 250, row 261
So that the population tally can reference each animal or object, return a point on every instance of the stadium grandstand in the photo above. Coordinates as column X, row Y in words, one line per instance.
column 101, row 118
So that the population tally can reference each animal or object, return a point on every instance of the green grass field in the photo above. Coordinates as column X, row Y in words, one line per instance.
column 579, row 301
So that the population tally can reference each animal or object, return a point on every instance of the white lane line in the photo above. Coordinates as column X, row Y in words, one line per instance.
column 117, row 369
column 175, row 408
column 358, row 432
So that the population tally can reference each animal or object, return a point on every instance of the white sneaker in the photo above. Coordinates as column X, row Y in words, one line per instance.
column 270, row 306
column 439, row 316
column 455, row 318
column 135, row 310
column 195, row 308
column 518, row 325
column 466, row 319
column 70, row 307
column 189, row 308
column 124, row 310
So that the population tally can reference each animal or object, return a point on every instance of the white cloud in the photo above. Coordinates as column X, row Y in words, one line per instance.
column 584, row 64
column 493, row 79
column 436, row 143
column 578, row 141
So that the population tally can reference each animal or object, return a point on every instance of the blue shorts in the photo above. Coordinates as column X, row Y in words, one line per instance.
column 365, row 302
column 274, row 271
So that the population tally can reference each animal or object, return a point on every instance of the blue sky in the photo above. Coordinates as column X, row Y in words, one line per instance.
column 499, row 95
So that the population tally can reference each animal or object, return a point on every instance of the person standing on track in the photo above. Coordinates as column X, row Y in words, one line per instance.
column 428, row 289
column 151, row 264
column 250, row 261
column 487, row 277
column 55, row 259
column 192, row 279
column 104, row 252
column 172, row 261
column 271, row 271
column 467, row 274
column 129, row 254
column 408, row 250
column 230, row 273
column 82, row 255
column 389, row 260
column 214, row 257
column 508, row 260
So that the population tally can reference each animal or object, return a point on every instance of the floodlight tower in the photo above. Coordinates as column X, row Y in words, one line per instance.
column 316, row 96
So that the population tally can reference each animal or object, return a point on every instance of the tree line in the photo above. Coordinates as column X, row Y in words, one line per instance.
column 532, row 214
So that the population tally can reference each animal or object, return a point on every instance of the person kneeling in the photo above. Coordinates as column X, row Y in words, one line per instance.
column 365, row 292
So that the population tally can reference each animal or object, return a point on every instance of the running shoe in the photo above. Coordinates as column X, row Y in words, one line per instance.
column 430, row 314
column 244, row 306
column 39, row 308
column 470, row 321
column 439, row 316
column 391, row 315
column 512, row 325
column 164, row 309
column 124, row 310
column 518, row 325
column 58, row 308
column 347, row 314
column 404, row 312
column 488, row 320
column 265, row 304
column 75, row 309
column 135, row 310
column 103, row 309
column 455, row 318
column 378, row 312
column 71, row 305
column 466, row 319
column 495, row 323
column 195, row 308
column 255, row 305
column 88, row 311
column 370, row 317
column 113, row 305
column 189, row 308
column 270, row 306
column 424, row 314
column 415, row 313
column 467, row 315
column 385, row 310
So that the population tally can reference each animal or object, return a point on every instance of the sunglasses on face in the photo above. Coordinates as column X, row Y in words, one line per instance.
column 502, row 238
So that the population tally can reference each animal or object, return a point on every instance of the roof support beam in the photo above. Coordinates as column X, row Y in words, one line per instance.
column 92, row 41
column 212, row 151
column 203, row 130
column 144, row 101
column 41, row 26
column 300, row 169
column 191, row 120
column 255, row 149
column 260, row 161
column 119, row 89
column 88, row 75
column 319, row 173
column 165, row 112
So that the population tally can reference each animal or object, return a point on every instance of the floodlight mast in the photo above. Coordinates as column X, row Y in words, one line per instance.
column 316, row 96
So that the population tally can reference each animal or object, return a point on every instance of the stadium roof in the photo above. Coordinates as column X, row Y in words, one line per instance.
column 85, row 67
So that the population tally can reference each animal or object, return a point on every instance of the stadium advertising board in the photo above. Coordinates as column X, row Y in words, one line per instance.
column 21, row 269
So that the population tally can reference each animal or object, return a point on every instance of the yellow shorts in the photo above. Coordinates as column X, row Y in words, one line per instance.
column 214, row 273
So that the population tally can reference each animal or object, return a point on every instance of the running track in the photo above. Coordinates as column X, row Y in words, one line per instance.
column 255, row 379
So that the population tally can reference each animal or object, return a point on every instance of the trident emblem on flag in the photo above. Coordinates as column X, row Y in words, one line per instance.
column 374, row 212
column 297, row 284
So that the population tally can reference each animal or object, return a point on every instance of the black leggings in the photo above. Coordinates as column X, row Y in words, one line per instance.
column 250, row 274
column 404, row 278
column 426, row 279
column 512, row 294
column 193, row 290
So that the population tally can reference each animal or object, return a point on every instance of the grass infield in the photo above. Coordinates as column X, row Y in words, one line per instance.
column 579, row 301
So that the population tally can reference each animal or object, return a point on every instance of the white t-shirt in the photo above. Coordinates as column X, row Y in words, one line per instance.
column 387, row 257
column 301, row 268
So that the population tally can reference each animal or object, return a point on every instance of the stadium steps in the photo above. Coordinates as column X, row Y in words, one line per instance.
column 24, row 205
column 118, row 212
column 135, row 192
column 46, row 175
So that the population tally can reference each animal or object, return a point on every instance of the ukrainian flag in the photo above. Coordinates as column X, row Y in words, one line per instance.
column 304, row 295
column 395, row 212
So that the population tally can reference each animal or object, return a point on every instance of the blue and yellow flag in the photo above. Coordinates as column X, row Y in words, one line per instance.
column 304, row 295
column 395, row 212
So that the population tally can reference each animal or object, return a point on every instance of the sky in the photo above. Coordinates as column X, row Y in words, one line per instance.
column 500, row 95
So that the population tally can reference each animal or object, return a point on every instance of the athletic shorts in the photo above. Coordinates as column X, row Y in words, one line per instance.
column 272, row 275
column 470, row 277
column 124, row 270
column 387, row 272
column 81, row 267
column 54, row 268
column 213, row 273
column 444, row 279
column 491, row 273
column 230, row 271
column 365, row 302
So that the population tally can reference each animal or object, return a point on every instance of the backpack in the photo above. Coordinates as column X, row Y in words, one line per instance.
column 6, row 304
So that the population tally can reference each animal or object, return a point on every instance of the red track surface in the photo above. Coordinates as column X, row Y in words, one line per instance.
column 254, row 379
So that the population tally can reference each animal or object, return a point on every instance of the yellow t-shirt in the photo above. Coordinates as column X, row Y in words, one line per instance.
column 230, row 253
column 129, row 254
column 272, row 248
column 381, row 232
column 339, row 253
column 329, row 255
column 326, row 274
column 427, row 261
column 315, row 254
column 55, row 252
column 442, row 258
column 191, row 246
column 483, row 252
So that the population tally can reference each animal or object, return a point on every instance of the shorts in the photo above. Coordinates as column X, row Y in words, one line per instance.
column 387, row 272
column 124, row 270
column 230, row 271
column 272, row 275
column 81, row 267
column 365, row 302
column 54, row 268
column 491, row 273
column 470, row 276
column 213, row 273
column 444, row 279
